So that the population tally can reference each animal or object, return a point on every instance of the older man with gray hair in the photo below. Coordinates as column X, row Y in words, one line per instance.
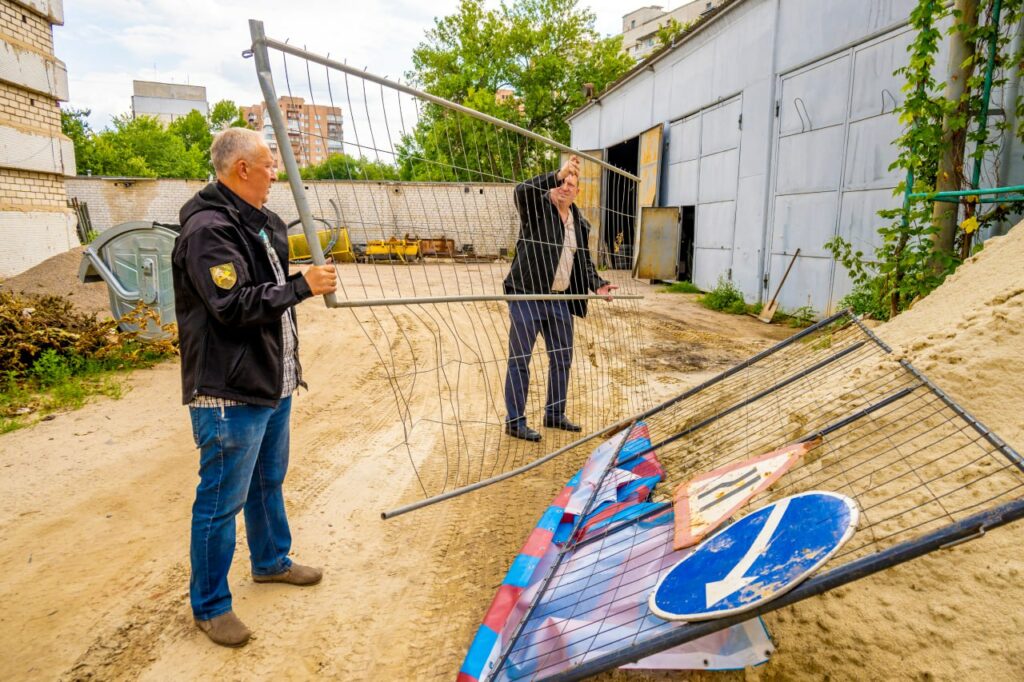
column 234, row 303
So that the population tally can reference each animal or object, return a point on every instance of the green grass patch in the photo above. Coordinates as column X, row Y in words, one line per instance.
column 681, row 288
column 801, row 317
column 725, row 297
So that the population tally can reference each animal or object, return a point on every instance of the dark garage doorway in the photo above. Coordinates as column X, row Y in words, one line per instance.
column 620, row 208
column 686, row 236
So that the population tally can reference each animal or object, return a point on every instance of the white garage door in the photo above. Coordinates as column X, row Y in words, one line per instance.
column 703, row 171
column 833, row 149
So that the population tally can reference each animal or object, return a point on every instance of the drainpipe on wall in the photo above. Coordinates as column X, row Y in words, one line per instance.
column 764, row 262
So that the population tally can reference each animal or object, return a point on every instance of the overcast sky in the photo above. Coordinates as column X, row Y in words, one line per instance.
column 108, row 43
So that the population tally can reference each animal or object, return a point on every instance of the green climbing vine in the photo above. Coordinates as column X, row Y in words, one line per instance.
column 909, row 264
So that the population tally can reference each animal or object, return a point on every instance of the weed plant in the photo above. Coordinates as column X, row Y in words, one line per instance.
column 55, row 357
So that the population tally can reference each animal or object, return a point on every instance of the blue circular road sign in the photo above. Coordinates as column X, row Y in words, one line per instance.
column 758, row 558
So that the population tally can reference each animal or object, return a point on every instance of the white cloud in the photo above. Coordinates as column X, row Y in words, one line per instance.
column 108, row 43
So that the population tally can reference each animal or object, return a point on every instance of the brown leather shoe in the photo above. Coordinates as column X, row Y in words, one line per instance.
column 226, row 630
column 295, row 575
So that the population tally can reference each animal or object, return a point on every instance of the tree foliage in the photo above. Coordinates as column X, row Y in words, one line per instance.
column 543, row 51
column 225, row 114
column 143, row 147
column 345, row 167
column 672, row 29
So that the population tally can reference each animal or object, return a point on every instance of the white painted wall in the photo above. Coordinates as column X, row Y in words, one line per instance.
column 28, row 238
column 31, row 150
column 817, row 169
column 33, row 71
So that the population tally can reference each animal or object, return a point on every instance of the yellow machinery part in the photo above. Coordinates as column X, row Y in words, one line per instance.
column 298, row 248
column 393, row 249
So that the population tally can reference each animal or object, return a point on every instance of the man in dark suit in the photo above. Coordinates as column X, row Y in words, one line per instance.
column 552, row 257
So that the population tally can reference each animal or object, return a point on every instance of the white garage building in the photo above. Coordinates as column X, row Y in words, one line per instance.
column 771, row 125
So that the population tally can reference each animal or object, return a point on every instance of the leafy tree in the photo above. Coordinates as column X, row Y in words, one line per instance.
column 143, row 147
column 541, row 50
column 345, row 167
column 226, row 114
column 193, row 130
column 74, row 123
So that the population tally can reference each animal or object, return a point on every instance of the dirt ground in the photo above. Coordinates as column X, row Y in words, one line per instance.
column 94, row 525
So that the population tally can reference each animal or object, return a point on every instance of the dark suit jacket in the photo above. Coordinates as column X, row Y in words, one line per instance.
column 539, row 247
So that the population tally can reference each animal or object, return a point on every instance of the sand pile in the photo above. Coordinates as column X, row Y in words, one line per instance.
column 954, row 614
column 58, row 276
column 967, row 336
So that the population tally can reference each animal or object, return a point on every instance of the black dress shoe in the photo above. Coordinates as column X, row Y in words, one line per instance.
column 561, row 423
column 522, row 431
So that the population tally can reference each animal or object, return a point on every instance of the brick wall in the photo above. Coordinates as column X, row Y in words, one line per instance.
column 24, row 25
column 479, row 214
column 30, row 191
column 35, row 222
column 29, row 109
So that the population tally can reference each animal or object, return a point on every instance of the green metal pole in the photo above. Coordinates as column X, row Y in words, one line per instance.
column 967, row 192
column 986, row 94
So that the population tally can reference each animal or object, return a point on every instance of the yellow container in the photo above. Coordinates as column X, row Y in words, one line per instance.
column 298, row 248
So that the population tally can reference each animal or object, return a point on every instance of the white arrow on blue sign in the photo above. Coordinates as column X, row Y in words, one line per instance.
column 760, row 557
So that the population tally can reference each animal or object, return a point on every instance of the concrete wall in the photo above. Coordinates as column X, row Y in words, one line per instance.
column 479, row 214
column 35, row 222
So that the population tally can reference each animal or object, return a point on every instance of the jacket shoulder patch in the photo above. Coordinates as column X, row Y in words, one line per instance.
column 224, row 275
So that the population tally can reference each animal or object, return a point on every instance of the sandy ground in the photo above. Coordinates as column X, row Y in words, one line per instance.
column 94, row 516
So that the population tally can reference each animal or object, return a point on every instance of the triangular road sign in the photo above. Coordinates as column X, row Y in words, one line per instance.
column 705, row 501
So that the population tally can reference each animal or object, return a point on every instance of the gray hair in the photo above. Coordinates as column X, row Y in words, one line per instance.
column 233, row 144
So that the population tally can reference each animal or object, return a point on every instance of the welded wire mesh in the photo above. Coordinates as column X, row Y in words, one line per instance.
column 911, row 460
column 433, row 203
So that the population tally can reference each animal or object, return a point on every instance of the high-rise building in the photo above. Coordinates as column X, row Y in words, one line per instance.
column 640, row 27
column 167, row 101
column 314, row 130
column 35, row 222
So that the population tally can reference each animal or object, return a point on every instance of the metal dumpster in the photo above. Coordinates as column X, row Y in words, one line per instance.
column 134, row 259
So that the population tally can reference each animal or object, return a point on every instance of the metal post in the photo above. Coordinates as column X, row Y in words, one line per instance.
column 266, row 78
column 986, row 93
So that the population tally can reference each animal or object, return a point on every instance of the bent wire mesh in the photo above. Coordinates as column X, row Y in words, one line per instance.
column 423, row 205
column 924, row 474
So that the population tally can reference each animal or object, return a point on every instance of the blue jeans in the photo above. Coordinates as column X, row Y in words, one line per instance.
column 527, row 319
column 242, row 464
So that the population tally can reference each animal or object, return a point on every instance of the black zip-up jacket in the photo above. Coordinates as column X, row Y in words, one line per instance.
column 539, row 247
column 229, row 325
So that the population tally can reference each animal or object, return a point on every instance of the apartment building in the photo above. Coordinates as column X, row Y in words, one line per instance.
column 640, row 27
column 35, row 222
column 167, row 101
column 314, row 130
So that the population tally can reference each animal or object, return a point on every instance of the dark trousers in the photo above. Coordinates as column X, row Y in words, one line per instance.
column 527, row 319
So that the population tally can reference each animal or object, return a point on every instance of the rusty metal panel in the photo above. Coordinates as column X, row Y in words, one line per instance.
column 659, row 243
column 589, row 199
column 650, row 165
